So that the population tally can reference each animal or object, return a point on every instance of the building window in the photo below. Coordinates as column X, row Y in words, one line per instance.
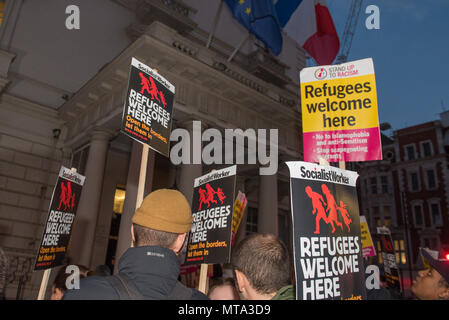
column 431, row 179
column 426, row 149
column 435, row 213
column 251, row 220
column 384, row 184
column 2, row 10
column 399, row 250
column 373, row 185
column 79, row 159
column 414, row 181
column 410, row 152
column 387, row 216
column 418, row 215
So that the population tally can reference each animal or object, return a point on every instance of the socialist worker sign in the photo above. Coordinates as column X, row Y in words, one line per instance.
column 326, row 233
column 147, row 114
column 61, row 215
column 213, row 200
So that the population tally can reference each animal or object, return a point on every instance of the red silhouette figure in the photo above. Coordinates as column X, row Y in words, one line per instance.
column 345, row 214
column 63, row 197
column 145, row 84
column 331, row 208
column 153, row 90
column 69, row 195
column 210, row 195
column 207, row 196
column 317, row 203
column 387, row 244
column 161, row 95
column 203, row 194
column 221, row 196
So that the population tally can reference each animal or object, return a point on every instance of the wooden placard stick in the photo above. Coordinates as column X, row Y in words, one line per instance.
column 142, row 174
column 44, row 284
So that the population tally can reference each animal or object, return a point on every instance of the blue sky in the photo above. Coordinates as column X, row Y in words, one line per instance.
column 410, row 54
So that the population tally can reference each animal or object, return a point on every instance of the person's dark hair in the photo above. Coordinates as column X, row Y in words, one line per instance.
column 4, row 265
column 149, row 237
column 218, row 282
column 264, row 260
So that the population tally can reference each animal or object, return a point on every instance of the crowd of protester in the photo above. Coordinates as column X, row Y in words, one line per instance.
column 261, row 265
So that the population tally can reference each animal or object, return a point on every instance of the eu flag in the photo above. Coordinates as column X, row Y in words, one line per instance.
column 259, row 17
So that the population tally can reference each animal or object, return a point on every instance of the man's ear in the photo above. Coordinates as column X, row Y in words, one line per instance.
column 132, row 235
column 242, row 281
column 444, row 294
column 179, row 243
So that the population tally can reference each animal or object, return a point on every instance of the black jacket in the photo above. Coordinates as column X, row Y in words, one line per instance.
column 153, row 270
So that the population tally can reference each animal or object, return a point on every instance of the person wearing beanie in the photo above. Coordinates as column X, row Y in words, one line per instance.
column 149, row 269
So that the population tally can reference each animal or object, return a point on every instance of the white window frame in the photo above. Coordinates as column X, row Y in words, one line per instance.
column 426, row 180
column 414, row 151
column 410, row 185
column 413, row 205
column 421, row 145
column 430, row 202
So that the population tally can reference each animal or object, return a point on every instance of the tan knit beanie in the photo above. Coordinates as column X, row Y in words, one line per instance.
column 165, row 210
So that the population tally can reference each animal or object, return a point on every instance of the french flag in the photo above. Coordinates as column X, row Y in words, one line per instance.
column 309, row 22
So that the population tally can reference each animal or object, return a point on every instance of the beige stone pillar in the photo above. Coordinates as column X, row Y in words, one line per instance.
column 189, row 172
column 129, row 207
column 88, row 208
column 267, row 219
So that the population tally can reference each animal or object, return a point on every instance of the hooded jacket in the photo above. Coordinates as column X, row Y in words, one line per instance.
column 153, row 270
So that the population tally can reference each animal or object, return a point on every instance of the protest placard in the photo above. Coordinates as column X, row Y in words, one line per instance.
column 210, row 236
column 147, row 113
column 326, row 233
column 368, row 249
column 389, row 258
column 237, row 214
column 61, row 214
column 339, row 112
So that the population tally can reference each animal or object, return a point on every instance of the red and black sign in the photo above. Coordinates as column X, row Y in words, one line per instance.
column 212, row 206
column 147, row 115
column 326, row 232
column 61, row 214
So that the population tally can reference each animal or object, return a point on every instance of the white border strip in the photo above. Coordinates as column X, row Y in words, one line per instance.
column 364, row 67
column 298, row 169
column 143, row 67
column 215, row 175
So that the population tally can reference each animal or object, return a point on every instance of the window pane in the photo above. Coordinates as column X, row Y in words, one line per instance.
column 397, row 257
column 427, row 149
column 401, row 245
column 431, row 179
column 396, row 245
column 373, row 183
column 403, row 258
column 436, row 217
column 414, row 181
column 410, row 153
column 418, row 215
column 387, row 221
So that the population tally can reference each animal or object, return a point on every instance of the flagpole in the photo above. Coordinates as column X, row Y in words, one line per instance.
column 238, row 47
column 212, row 32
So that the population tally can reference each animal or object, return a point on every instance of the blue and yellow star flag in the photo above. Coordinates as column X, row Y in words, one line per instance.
column 259, row 17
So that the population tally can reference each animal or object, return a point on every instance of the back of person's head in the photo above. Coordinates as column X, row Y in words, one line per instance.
column 4, row 266
column 60, row 284
column 264, row 260
column 162, row 218
column 223, row 289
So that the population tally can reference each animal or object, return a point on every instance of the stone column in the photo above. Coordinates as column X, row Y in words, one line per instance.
column 267, row 219
column 87, row 213
column 129, row 207
column 189, row 172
